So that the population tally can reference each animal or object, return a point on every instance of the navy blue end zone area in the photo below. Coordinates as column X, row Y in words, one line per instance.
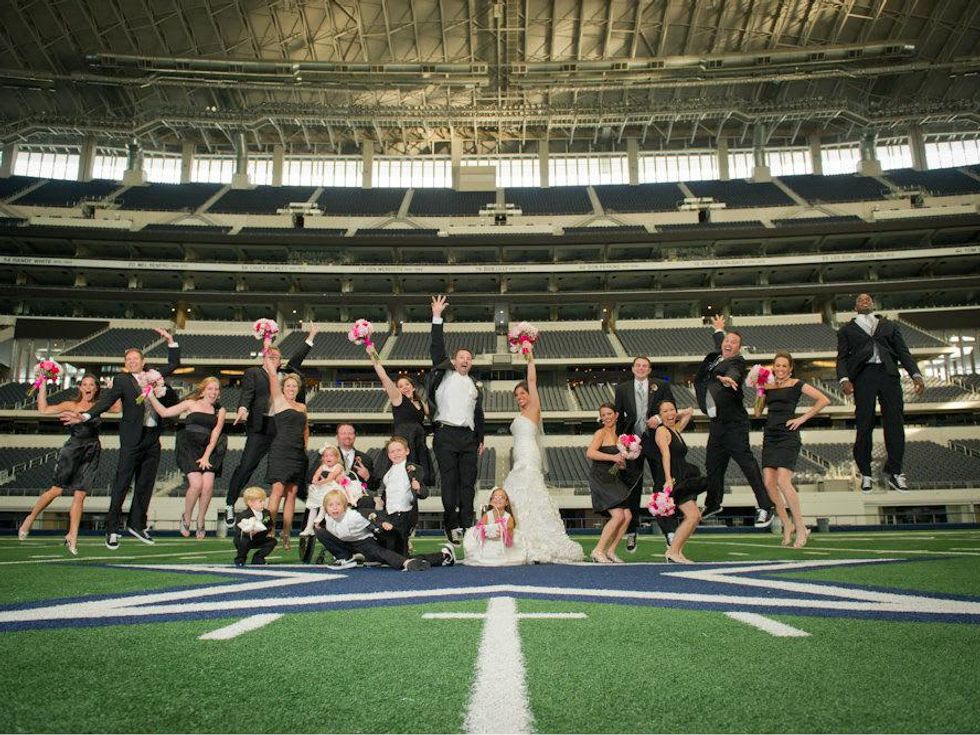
column 759, row 587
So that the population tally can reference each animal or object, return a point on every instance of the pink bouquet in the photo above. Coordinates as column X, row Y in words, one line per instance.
column 629, row 447
column 494, row 530
column 265, row 330
column 46, row 371
column 758, row 378
column 353, row 488
column 521, row 338
column 360, row 334
column 150, row 381
column 661, row 504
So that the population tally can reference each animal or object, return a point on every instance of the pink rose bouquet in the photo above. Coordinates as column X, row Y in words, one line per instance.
column 629, row 448
column 661, row 504
column 759, row 377
column 151, row 381
column 521, row 338
column 360, row 334
column 265, row 331
column 46, row 371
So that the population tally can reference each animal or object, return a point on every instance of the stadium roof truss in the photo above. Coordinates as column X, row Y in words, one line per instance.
column 411, row 75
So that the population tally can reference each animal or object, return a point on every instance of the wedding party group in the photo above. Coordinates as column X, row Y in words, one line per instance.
column 360, row 510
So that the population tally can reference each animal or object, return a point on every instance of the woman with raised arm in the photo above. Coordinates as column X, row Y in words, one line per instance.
column 781, row 442
column 610, row 494
column 200, row 448
column 287, row 455
column 78, row 459
column 542, row 531
column 683, row 478
column 408, row 412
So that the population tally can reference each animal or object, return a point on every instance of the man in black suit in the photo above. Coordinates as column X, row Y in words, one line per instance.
column 718, row 385
column 637, row 402
column 139, row 440
column 457, row 412
column 255, row 411
column 869, row 351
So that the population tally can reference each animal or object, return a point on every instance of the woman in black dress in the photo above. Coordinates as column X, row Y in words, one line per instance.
column 409, row 413
column 200, row 448
column 78, row 459
column 674, row 471
column 610, row 495
column 287, row 454
column 781, row 443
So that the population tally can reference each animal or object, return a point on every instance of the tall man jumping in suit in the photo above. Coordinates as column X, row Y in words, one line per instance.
column 637, row 402
column 255, row 411
column 139, row 440
column 718, row 385
column 869, row 350
column 457, row 411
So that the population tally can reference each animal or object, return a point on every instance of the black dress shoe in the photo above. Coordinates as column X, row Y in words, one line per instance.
column 709, row 511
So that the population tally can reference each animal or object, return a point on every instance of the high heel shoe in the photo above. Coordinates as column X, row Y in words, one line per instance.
column 787, row 536
column 285, row 543
column 184, row 528
column 22, row 535
column 674, row 559
column 599, row 558
column 200, row 533
column 802, row 538
column 614, row 559
column 72, row 548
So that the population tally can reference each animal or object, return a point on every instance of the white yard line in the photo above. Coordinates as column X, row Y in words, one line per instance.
column 767, row 625
column 498, row 700
column 117, row 557
column 890, row 552
column 245, row 625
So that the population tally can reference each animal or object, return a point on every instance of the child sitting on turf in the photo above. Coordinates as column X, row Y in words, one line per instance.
column 252, row 528
column 324, row 480
column 345, row 532
column 492, row 541
column 401, row 490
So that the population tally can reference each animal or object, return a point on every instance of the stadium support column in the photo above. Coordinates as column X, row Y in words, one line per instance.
column 180, row 315
column 86, row 158
column 918, row 146
column 367, row 164
column 239, row 179
column 186, row 162
column 722, row 153
column 633, row 160
column 816, row 156
column 455, row 159
column 278, row 159
column 868, row 164
column 9, row 158
column 760, row 171
column 134, row 175
column 543, row 154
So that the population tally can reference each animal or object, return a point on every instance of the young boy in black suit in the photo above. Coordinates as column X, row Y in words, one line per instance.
column 252, row 528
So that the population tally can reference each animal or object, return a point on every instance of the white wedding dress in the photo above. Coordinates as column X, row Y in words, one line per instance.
column 539, row 526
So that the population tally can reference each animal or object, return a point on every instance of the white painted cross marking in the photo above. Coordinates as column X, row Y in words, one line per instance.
column 500, row 668
column 245, row 625
column 767, row 625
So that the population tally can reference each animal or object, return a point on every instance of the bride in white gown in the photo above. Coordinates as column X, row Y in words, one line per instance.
column 539, row 529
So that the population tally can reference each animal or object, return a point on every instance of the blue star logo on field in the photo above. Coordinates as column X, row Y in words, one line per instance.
column 737, row 589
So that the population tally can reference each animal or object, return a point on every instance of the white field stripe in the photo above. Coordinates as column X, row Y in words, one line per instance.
column 738, row 553
column 920, row 552
column 498, row 700
column 453, row 616
column 553, row 616
column 245, row 625
column 816, row 553
column 117, row 557
column 772, row 627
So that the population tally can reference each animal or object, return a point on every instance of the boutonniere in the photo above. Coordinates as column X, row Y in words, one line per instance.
column 410, row 468
column 478, row 384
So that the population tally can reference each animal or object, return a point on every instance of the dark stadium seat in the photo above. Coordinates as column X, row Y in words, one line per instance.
column 938, row 182
column 842, row 188
column 639, row 197
column 219, row 346
column 330, row 345
column 555, row 201
column 67, row 193
column 113, row 342
column 189, row 229
column 449, row 203
column 168, row 197
column 360, row 202
column 737, row 194
column 415, row 345
column 12, row 185
column 261, row 199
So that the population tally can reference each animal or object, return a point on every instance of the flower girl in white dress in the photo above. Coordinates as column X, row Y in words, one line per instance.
column 493, row 541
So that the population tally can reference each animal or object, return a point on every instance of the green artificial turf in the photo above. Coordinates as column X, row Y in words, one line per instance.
column 944, row 576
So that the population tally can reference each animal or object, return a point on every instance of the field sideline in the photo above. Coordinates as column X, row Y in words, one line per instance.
column 858, row 632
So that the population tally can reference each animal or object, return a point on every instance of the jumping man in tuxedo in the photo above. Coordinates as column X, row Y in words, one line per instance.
column 255, row 411
column 718, row 385
column 637, row 402
column 139, row 440
column 869, row 351
column 457, row 411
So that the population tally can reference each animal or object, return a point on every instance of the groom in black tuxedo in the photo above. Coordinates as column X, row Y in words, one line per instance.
column 718, row 386
column 637, row 403
column 457, row 410
column 254, row 410
column 139, row 440
column 869, row 350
